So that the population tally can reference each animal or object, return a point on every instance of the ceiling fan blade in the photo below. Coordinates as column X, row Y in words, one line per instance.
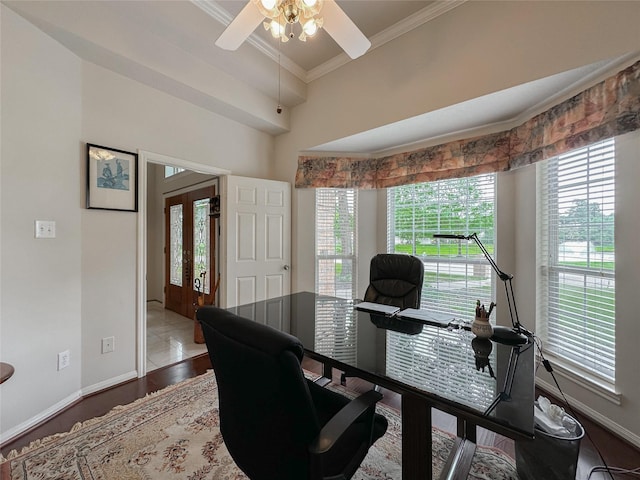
column 343, row 30
column 240, row 28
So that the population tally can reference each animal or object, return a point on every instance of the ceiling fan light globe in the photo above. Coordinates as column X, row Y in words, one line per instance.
column 268, row 4
column 262, row 6
column 309, row 29
column 275, row 28
column 312, row 8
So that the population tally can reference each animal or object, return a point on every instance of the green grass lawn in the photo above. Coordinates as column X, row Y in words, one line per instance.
column 447, row 250
column 591, row 310
column 600, row 265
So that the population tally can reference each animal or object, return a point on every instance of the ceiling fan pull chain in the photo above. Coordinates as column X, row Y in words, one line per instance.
column 279, row 107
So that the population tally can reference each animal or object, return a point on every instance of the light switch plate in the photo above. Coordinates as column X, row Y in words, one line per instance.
column 45, row 229
column 64, row 359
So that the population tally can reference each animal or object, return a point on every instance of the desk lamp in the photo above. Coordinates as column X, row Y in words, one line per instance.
column 516, row 335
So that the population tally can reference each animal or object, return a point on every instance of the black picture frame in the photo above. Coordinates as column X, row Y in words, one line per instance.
column 112, row 179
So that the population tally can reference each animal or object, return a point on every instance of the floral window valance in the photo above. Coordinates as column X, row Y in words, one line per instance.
column 608, row 109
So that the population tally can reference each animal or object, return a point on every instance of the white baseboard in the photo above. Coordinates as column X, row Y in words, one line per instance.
column 42, row 416
column 109, row 383
column 50, row 412
column 597, row 417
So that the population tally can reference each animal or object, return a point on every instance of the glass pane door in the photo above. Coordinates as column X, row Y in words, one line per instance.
column 190, row 252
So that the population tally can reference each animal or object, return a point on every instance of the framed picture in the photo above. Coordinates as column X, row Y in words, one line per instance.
column 112, row 179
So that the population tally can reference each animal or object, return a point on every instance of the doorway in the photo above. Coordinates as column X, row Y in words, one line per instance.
column 169, row 334
column 149, row 269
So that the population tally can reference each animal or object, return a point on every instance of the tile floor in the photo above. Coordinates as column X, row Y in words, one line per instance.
column 169, row 337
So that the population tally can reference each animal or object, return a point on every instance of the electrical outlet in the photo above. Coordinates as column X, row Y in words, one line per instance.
column 108, row 345
column 64, row 359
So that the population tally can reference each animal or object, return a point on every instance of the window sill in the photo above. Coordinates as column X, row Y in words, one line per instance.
column 595, row 385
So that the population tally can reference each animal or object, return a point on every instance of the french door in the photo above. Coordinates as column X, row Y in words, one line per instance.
column 190, row 251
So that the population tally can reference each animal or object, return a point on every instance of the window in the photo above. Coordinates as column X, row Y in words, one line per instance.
column 456, row 272
column 577, row 258
column 170, row 171
column 456, row 275
column 336, row 226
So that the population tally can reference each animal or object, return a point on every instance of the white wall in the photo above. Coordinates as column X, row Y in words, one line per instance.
column 473, row 50
column 40, row 173
column 84, row 281
column 155, row 233
column 125, row 114
column 70, row 292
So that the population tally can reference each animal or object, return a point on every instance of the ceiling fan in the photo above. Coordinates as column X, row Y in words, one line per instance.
column 281, row 16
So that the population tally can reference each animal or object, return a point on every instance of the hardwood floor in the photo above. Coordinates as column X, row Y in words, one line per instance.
column 615, row 451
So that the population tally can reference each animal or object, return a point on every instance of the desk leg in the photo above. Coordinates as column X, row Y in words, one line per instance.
column 416, row 438
column 327, row 371
column 459, row 462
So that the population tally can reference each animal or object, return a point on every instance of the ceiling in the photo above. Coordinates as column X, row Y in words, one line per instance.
column 496, row 111
column 169, row 45
column 378, row 20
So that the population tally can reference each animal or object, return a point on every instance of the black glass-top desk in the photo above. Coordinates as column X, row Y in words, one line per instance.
column 429, row 366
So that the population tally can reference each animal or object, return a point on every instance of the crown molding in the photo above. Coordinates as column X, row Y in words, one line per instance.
column 400, row 28
column 414, row 21
column 213, row 9
column 421, row 17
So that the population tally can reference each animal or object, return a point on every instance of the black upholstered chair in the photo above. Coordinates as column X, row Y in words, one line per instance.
column 276, row 424
column 395, row 279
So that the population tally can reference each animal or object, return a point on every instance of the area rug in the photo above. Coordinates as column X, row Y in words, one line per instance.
column 174, row 434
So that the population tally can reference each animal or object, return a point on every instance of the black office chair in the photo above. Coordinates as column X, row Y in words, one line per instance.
column 276, row 424
column 395, row 279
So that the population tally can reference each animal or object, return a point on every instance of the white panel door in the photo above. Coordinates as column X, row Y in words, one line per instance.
column 256, row 222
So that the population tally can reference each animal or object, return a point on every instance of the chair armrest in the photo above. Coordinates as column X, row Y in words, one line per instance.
column 341, row 421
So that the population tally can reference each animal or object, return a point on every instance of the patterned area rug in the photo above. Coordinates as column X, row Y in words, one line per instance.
column 174, row 434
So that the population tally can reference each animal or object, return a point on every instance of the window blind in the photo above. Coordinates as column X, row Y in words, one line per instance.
column 336, row 227
column 336, row 330
column 456, row 272
column 170, row 171
column 577, row 258
column 439, row 363
column 456, row 276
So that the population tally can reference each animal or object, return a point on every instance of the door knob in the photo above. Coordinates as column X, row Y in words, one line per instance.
column 286, row 267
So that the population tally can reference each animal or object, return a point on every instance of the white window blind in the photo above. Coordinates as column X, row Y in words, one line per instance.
column 170, row 171
column 456, row 272
column 439, row 363
column 577, row 258
column 336, row 330
column 336, row 227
